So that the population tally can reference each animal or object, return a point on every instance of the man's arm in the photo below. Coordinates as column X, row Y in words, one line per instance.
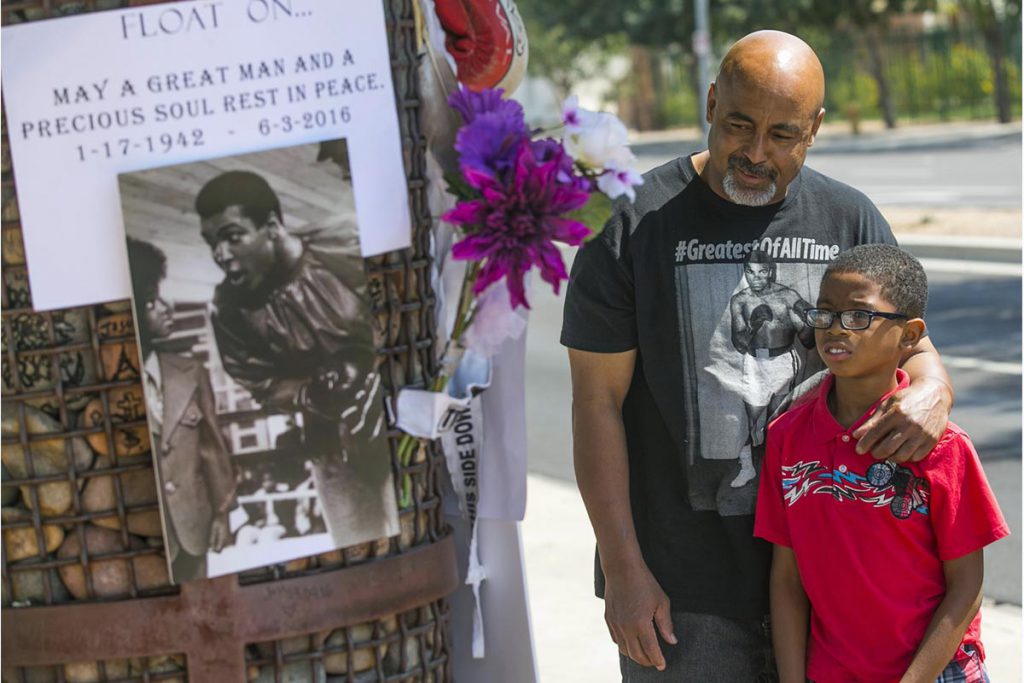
column 806, row 332
column 634, row 602
column 909, row 424
column 951, row 619
column 790, row 613
column 741, row 334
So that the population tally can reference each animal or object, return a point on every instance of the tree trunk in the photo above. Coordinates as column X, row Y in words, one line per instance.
column 696, row 82
column 643, row 81
column 996, row 53
column 877, row 68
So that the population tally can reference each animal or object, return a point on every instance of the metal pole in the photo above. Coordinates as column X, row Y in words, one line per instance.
column 702, row 50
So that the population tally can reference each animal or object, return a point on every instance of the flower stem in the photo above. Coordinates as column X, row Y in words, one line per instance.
column 449, row 363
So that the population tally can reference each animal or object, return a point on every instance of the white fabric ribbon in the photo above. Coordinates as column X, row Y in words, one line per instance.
column 475, row 575
column 427, row 414
column 456, row 416
column 462, row 442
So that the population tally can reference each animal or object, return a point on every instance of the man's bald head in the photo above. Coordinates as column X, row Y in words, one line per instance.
column 777, row 62
column 764, row 110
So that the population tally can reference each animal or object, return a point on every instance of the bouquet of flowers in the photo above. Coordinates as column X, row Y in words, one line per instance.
column 519, row 192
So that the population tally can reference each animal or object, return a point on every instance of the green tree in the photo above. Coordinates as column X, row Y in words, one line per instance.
column 642, row 24
column 870, row 20
column 565, row 58
column 992, row 19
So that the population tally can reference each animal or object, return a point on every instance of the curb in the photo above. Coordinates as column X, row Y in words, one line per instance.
column 959, row 248
column 895, row 142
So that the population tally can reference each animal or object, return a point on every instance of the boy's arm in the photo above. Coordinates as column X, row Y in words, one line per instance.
column 790, row 613
column 909, row 424
column 951, row 619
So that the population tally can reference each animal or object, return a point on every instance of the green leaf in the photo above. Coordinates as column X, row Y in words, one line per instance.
column 594, row 214
column 458, row 187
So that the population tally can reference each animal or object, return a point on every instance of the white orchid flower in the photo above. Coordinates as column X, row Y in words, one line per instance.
column 616, row 181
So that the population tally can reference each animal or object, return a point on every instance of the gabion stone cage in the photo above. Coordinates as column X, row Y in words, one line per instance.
column 85, row 590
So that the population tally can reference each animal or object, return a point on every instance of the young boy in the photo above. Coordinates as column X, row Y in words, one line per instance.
column 883, row 559
column 194, row 466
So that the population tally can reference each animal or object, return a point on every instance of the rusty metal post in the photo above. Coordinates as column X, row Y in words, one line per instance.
column 69, row 378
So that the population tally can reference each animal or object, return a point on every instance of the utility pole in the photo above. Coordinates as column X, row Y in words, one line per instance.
column 702, row 50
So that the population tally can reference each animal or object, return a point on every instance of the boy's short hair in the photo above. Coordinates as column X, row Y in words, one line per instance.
column 899, row 276
column 148, row 268
column 244, row 189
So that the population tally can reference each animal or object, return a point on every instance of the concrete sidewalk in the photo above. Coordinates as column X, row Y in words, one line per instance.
column 571, row 641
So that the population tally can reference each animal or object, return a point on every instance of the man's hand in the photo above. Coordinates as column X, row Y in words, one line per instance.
column 220, row 532
column 908, row 424
column 634, row 604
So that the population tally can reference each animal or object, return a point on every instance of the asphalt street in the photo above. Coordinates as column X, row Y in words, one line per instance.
column 983, row 174
column 975, row 321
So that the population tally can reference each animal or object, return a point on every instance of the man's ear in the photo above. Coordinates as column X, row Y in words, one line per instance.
column 710, row 113
column 273, row 225
column 913, row 330
column 815, row 126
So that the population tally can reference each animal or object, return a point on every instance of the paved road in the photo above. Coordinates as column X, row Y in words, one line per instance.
column 983, row 173
column 975, row 320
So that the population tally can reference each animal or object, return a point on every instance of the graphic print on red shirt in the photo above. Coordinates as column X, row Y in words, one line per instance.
column 882, row 484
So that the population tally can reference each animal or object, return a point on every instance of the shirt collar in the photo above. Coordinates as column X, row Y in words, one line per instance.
column 825, row 426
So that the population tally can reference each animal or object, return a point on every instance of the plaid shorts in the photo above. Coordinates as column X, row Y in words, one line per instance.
column 968, row 669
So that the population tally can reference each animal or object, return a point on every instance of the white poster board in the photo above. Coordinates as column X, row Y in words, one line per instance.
column 94, row 95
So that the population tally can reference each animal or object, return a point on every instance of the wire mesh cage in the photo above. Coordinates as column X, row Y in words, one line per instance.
column 85, row 590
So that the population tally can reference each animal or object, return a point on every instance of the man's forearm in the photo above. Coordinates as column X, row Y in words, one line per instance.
column 637, row 610
column 602, row 474
column 924, row 364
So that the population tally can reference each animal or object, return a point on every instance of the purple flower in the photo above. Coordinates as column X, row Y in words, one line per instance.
column 487, row 147
column 514, row 225
column 551, row 150
column 472, row 104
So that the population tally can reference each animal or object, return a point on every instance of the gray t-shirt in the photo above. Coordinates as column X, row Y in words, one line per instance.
column 711, row 295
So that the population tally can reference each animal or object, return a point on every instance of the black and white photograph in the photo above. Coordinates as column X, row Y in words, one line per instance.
column 257, row 350
column 744, row 356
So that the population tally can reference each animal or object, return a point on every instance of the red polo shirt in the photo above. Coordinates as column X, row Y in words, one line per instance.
column 869, row 547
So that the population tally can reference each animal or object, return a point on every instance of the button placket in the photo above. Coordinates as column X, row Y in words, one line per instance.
column 838, row 457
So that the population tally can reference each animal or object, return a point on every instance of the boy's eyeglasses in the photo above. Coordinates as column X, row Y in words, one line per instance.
column 853, row 319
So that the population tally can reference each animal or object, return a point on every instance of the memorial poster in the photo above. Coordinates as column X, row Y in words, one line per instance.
column 93, row 95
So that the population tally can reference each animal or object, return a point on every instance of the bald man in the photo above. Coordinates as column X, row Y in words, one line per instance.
column 660, row 387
